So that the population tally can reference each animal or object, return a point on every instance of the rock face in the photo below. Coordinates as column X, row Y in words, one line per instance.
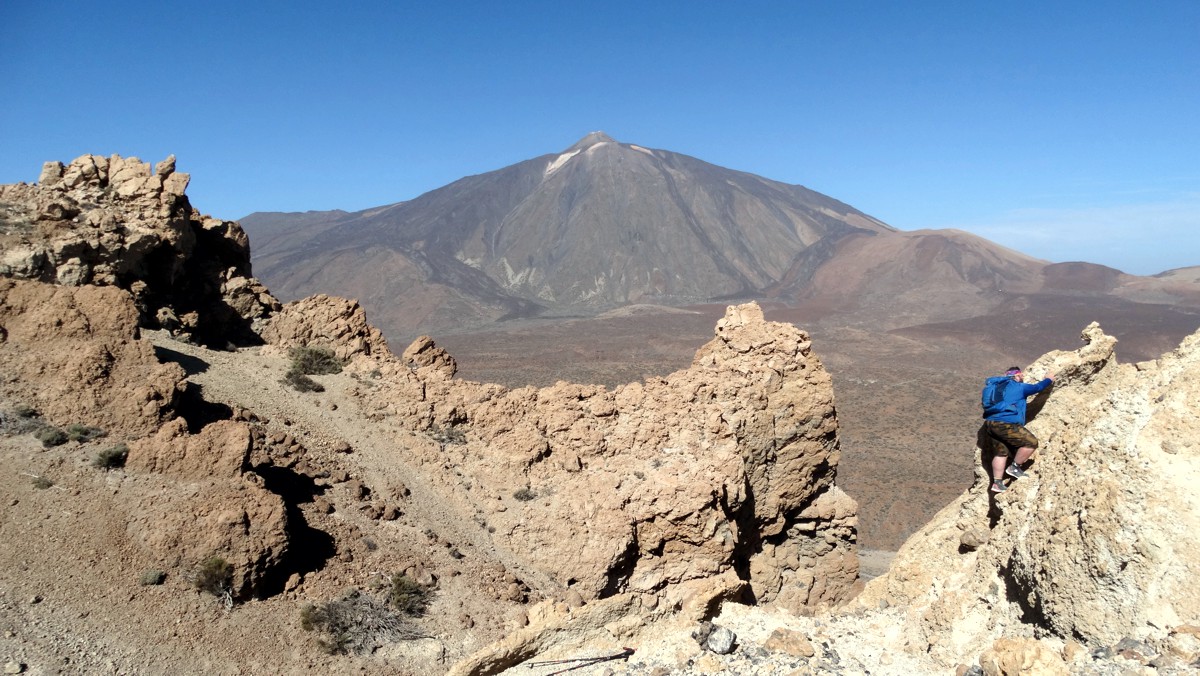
column 1098, row 543
column 113, row 221
column 728, row 465
column 73, row 354
column 96, row 250
column 208, row 503
column 322, row 320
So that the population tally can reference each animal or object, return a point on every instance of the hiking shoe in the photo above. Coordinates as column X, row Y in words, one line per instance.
column 1015, row 471
column 998, row 486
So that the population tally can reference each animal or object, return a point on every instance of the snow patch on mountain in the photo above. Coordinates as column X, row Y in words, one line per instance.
column 559, row 161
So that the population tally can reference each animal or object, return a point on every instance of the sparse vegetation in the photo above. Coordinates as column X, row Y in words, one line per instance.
column 215, row 576
column 42, row 483
column 152, row 578
column 21, row 419
column 355, row 623
column 409, row 596
column 83, row 433
column 451, row 434
column 111, row 458
column 524, row 494
column 314, row 360
column 51, row 436
column 302, row 383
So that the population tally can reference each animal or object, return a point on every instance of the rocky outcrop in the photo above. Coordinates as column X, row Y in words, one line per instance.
column 727, row 465
column 113, row 221
column 325, row 321
column 1098, row 543
column 208, row 504
column 91, row 253
column 73, row 354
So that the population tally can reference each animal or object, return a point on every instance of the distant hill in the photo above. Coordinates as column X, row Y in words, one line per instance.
column 605, row 224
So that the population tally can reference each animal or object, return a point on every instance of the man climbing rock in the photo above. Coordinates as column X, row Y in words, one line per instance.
column 1003, row 402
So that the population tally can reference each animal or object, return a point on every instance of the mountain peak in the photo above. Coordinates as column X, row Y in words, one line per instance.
column 591, row 140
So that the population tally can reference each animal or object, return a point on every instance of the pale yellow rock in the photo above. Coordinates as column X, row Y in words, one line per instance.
column 1098, row 539
column 1021, row 657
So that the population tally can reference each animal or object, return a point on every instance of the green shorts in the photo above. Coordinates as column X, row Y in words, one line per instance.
column 1004, row 436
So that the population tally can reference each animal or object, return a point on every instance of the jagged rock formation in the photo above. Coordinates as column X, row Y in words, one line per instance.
column 1098, row 544
column 208, row 503
column 120, row 222
column 714, row 482
column 727, row 465
column 320, row 320
column 96, row 250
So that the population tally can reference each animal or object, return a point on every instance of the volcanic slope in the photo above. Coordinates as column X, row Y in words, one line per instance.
column 600, row 224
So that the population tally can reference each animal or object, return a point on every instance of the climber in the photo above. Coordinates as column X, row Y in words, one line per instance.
column 1003, row 402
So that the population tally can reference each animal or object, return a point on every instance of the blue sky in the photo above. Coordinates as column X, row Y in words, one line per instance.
column 1067, row 130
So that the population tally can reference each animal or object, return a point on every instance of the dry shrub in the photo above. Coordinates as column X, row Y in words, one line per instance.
column 356, row 623
column 314, row 361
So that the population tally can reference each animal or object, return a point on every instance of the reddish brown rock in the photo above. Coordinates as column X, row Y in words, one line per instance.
column 649, row 485
column 73, row 354
column 326, row 321
column 117, row 222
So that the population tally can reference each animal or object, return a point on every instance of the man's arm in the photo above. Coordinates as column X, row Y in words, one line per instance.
column 1039, row 386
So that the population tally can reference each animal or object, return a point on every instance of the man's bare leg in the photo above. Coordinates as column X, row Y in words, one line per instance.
column 1023, row 454
column 998, row 463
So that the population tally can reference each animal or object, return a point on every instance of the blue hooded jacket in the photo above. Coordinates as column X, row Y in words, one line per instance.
column 1010, row 406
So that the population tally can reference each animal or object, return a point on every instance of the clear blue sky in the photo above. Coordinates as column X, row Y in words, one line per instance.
column 1067, row 130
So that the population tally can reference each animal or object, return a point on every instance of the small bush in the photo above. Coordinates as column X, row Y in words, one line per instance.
column 215, row 576
column 112, row 458
column 42, row 483
column 152, row 577
column 452, row 434
column 21, row 419
column 314, row 361
column 51, row 436
column 83, row 433
column 409, row 596
column 302, row 383
column 355, row 623
column 524, row 495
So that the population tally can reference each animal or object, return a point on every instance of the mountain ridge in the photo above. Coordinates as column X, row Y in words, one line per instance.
column 599, row 225
column 603, row 224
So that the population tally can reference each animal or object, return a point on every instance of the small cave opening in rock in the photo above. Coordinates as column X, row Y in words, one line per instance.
column 622, row 570
column 750, row 542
